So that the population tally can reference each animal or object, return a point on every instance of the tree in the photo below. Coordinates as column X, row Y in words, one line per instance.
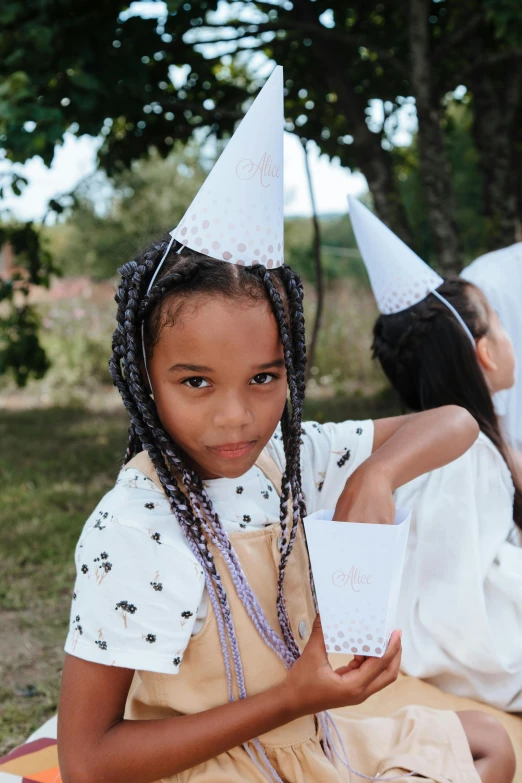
column 20, row 351
column 105, row 72
column 467, row 183
column 93, row 68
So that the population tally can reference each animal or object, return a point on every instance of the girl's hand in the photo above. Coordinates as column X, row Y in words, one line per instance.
column 312, row 685
column 367, row 497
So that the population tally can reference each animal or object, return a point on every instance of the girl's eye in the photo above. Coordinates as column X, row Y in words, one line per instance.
column 263, row 378
column 196, row 383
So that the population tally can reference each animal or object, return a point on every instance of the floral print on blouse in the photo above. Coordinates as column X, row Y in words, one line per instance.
column 140, row 593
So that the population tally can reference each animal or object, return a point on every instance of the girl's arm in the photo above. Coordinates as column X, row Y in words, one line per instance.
column 96, row 743
column 404, row 447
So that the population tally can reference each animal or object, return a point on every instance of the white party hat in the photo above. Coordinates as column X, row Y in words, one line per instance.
column 399, row 278
column 237, row 215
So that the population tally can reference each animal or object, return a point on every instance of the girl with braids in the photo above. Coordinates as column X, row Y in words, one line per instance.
column 201, row 657
column 461, row 598
column 198, row 512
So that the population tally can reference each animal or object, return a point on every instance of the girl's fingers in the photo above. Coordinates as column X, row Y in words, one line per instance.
column 386, row 677
column 315, row 644
column 354, row 664
column 371, row 668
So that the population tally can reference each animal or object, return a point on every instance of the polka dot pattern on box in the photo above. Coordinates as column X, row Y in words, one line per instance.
column 353, row 633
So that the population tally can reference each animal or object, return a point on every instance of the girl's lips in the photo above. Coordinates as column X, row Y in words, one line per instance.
column 232, row 450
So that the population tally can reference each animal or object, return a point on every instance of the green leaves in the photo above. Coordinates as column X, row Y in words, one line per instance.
column 20, row 351
column 98, row 69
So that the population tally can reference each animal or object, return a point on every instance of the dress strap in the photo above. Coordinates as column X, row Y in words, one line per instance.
column 269, row 467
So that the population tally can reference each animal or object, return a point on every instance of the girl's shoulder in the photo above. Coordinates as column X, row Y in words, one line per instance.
column 135, row 507
column 138, row 586
column 349, row 435
column 329, row 455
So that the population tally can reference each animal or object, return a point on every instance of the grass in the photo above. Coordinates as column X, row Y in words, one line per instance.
column 55, row 465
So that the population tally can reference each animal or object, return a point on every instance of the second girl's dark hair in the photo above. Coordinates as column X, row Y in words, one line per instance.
column 430, row 361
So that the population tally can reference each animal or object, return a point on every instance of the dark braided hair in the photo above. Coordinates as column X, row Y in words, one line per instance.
column 181, row 275
column 430, row 361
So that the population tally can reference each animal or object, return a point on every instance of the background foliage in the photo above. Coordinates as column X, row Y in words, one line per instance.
column 354, row 73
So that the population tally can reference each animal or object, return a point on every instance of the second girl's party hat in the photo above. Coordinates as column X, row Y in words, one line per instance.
column 237, row 215
column 398, row 276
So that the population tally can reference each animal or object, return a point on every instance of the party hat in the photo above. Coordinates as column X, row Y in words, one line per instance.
column 237, row 215
column 399, row 278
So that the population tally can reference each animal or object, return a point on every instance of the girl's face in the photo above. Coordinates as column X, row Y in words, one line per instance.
column 219, row 383
column 495, row 354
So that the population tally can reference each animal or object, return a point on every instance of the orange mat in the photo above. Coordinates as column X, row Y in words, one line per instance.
column 34, row 762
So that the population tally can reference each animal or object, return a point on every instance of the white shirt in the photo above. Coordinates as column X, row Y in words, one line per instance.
column 140, row 592
column 499, row 276
column 460, row 605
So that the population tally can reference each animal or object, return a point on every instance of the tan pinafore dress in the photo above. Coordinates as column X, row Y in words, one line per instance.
column 415, row 739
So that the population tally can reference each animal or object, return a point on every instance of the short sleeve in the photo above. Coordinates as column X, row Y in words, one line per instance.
column 329, row 455
column 135, row 599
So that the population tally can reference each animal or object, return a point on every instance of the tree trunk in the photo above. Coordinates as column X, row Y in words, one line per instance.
column 319, row 277
column 433, row 163
column 372, row 160
column 497, row 104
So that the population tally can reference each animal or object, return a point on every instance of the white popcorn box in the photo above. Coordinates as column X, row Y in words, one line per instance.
column 357, row 570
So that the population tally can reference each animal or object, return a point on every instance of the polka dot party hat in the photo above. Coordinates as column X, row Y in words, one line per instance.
column 399, row 278
column 237, row 216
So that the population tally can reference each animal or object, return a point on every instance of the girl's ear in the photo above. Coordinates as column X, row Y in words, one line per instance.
column 485, row 355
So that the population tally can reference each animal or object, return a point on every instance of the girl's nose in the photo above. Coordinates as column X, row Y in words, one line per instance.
column 232, row 412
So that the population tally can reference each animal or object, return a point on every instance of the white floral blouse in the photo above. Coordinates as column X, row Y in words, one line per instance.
column 140, row 593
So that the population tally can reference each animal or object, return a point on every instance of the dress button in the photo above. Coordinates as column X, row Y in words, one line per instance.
column 279, row 542
column 302, row 629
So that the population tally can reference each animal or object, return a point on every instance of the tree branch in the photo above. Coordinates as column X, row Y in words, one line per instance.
column 205, row 114
column 319, row 278
column 297, row 25
column 419, row 52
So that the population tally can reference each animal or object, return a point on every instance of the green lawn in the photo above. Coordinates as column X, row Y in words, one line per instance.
column 54, row 467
